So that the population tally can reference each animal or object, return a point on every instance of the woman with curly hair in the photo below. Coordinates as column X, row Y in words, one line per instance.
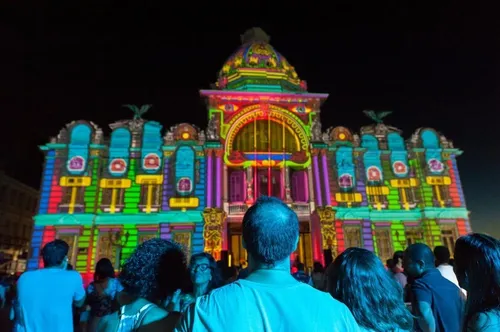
column 204, row 276
column 359, row 279
column 153, row 272
column 477, row 266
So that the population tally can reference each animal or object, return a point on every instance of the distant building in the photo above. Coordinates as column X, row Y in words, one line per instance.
column 18, row 203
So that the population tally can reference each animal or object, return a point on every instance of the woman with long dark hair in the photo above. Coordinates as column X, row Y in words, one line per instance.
column 477, row 266
column 359, row 279
column 102, row 293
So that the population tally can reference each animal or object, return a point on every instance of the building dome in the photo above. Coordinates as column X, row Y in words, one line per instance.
column 257, row 66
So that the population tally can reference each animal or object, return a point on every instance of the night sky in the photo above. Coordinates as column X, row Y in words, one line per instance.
column 432, row 66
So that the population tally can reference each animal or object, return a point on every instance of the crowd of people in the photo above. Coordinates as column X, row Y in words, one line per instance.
column 157, row 290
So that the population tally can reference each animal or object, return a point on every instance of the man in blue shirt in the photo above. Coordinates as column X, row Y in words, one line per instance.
column 46, row 295
column 436, row 301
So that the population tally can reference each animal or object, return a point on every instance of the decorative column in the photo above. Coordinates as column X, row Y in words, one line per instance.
column 209, row 178
column 326, row 180
column 310, row 186
column 224, row 185
column 166, row 181
column 213, row 231
column 317, row 182
column 288, row 193
column 250, row 197
column 327, row 226
column 218, row 178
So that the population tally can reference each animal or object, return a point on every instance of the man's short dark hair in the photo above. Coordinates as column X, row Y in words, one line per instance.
column 442, row 254
column 54, row 252
column 421, row 252
column 398, row 257
column 270, row 230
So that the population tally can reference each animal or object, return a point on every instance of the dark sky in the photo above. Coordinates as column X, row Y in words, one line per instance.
column 432, row 66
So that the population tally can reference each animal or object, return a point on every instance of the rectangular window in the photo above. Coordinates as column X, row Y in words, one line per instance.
column 376, row 196
column 352, row 237
column 299, row 189
column 414, row 236
column 72, row 241
column 150, row 197
column 384, row 244
column 449, row 236
column 143, row 237
column 237, row 187
column 112, row 199
column 441, row 196
column 184, row 239
column 263, row 185
column 106, row 249
column 238, row 253
column 407, row 196
column 72, row 194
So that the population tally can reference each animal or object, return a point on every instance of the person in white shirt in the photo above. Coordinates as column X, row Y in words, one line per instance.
column 45, row 296
column 442, row 255
column 270, row 298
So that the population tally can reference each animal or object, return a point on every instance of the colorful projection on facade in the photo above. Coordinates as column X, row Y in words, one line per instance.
column 370, row 189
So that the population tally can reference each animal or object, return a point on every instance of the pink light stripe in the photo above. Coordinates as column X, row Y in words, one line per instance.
column 383, row 224
column 254, row 94
column 325, row 180
column 446, row 221
column 411, row 223
column 114, row 229
column 209, row 179
column 147, row 229
column 218, row 181
column 68, row 230
column 176, row 228
column 352, row 222
column 317, row 181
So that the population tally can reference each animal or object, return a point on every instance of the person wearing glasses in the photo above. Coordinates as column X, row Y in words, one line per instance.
column 204, row 276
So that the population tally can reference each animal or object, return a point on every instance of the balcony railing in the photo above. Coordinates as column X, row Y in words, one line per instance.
column 301, row 208
column 107, row 208
column 78, row 208
column 237, row 208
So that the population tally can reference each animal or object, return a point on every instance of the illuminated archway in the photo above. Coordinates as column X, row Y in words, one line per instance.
column 249, row 132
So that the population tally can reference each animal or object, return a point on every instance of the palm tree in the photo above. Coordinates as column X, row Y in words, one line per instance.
column 138, row 111
column 377, row 116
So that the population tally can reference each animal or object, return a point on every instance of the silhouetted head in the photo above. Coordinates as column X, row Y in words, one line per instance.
column 477, row 266
column 318, row 267
column 55, row 254
column 442, row 255
column 203, row 269
column 154, row 270
column 418, row 258
column 397, row 258
column 389, row 263
column 358, row 279
column 301, row 267
column 104, row 269
column 270, row 231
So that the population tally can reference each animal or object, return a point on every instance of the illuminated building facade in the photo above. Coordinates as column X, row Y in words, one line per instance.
column 369, row 189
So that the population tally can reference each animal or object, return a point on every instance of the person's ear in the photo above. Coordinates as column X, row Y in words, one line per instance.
column 421, row 264
column 296, row 244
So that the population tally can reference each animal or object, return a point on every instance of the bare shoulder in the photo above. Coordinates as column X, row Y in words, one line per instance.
column 153, row 315
column 485, row 322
